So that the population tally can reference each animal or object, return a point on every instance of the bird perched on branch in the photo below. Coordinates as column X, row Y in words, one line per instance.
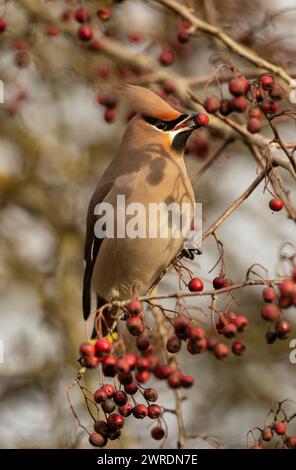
column 148, row 167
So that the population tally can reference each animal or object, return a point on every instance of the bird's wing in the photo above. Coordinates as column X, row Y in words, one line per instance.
column 92, row 244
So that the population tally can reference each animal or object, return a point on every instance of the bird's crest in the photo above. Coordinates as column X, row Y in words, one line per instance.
column 146, row 102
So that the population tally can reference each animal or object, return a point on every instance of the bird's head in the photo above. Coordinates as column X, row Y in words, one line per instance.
column 157, row 120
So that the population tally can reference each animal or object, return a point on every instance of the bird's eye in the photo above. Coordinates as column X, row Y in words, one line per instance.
column 161, row 125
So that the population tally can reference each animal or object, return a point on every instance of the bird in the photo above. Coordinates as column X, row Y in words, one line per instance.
column 148, row 167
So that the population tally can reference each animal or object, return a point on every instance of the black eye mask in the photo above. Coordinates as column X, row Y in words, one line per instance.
column 164, row 125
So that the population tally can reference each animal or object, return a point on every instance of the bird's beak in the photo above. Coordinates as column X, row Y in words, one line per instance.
column 186, row 124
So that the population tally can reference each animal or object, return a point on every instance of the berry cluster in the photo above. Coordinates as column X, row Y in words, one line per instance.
column 275, row 302
column 274, row 433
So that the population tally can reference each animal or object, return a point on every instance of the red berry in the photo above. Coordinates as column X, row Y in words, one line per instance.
column 221, row 351
column 142, row 343
column 266, row 81
column 157, row 433
column 270, row 312
column 154, row 411
column 225, row 107
column 211, row 104
column 126, row 410
column 87, row 349
column 196, row 332
column 276, row 92
column 269, row 294
column 196, row 346
column 181, row 326
column 229, row 330
column 104, row 13
column 282, row 328
column 231, row 317
column 173, row 344
column 101, row 427
column 276, row 204
column 140, row 411
column 267, row 434
column 174, row 379
column 109, row 366
column 3, row 24
column 100, row 396
column 81, row 15
column 131, row 388
column 143, row 364
column 187, row 381
column 269, row 107
column 201, row 146
column 66, row 15
column 238, row 86
column 115, row 421
column 114, row 435
column 221, row 282
column 238, row 347
column 108, row 406
column 253, row 125
column 211, row 343
column 108, row 389
column 52, row 30
column 239, row 104
column 294, row 275
column 97, row 440
column 110, row 115
column 134, row 307
column 183, row 36
column 280, row 428
column 91, row 361
column 142, row 376
column 120, row 398
column 150, row 394
column 287, row 288
column 122, row 366
column 201, row 119
column 241, row 323
column 131, row 359
column 103, row 347
column 85, row 33
column 166, row 58
column 162, row 371
column 195, row 285
column 135, row 326
column 255, row 113
column 291, row 442
column 169, row 87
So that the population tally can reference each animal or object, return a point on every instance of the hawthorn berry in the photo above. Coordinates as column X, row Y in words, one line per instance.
column 162, row 371
column 183, row 36
column 266, row 81
column 287, row 288
column 143, row 376
column 131, row 388
column 238, row 347
column 201, row 146
column 125, row 410
column 3, row 24
column 225, row 107
column 140, row 411
column 134, row 307
column 131, row 359
column 81, row 15
column 115, row 421
column 157, row 433
column 239, row 104
column 122, row 366
column 241, row 322
column 91, row 361
column 238, row 86
column 114, row 435
column 173, row 344
column 267, row 434
column 104, row 13
column 125, row 379
column 97, row 440
column 150, row 394
column 195, row 285
column 276, row 204
column 276, row 92
column 269, row 294
column 100, row 396
column 85, row 33
column 101, row 427
column 282, row 328
column 270, row 312
column 181, row 326
column 201, row 119
column 110, row 115
column 196, row 332
column 187, row 381
column 102, row 347
column 154, row 411
column 166, row 58
column 280, row 428
column 211, row 104
column 253, row 125
column 291, row 442
column 109, row 366
column 196, row 346
column 143, row 364
column 220, row 282
column 221, row 351
column 255, row 113
column 120, row 398
column 174, row 379
column 135, row 326
column 142, row 343
column 109, row 390
column 269, row 107
column 229, row 330
column 108, row 405
column 87, row 349
column 211, row 343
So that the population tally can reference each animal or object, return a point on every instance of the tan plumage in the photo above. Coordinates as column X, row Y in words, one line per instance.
column 146, row 168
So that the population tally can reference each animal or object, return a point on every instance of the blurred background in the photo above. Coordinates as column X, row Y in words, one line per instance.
column 54, row 144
